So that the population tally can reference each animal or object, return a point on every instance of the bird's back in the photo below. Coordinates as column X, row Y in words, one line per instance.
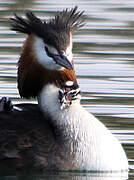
column 27, row 135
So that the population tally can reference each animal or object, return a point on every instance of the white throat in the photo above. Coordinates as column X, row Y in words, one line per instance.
column 48, row 99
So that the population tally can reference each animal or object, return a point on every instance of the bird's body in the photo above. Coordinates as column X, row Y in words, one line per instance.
column 84, row 138
column 59, row 134
column 58, row 139
column 29, row 138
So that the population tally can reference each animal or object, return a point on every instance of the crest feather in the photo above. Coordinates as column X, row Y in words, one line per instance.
column 30, row 25
column 68, row 20
column 63, row 21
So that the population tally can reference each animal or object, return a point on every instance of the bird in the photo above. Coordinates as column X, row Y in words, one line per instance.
column 57, row 133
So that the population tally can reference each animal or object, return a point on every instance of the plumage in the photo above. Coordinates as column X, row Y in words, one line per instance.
column 58, row 133
column 63, row 21
column 28, row 136
column 32, row 76
column 57, row 32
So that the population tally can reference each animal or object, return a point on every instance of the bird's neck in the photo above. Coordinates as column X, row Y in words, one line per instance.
column 70, row 125
column 63, row 120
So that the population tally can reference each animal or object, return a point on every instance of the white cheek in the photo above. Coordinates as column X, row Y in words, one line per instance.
column 42, row 57
column 68, row 53
column 69, row 56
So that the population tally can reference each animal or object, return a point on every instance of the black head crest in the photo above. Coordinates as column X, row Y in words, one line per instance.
column 30, row 25
column 68, row 20
column 63, row 21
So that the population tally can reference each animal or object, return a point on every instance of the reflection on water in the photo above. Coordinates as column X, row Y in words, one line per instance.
column 104, row 52
column 65, row 176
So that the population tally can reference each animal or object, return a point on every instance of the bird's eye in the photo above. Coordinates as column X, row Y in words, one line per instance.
column 46, row 49
column 50, row 54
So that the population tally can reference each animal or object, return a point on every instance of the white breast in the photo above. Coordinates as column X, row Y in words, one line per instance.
column 97, row 148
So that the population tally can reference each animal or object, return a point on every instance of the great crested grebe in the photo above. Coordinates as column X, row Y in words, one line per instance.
column 59, row 134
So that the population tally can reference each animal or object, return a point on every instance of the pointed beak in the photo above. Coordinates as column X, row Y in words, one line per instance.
column 63, row 61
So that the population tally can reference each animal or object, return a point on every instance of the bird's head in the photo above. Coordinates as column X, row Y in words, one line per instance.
column 48, row 47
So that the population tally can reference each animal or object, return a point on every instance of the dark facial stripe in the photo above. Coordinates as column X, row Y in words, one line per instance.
column 60, row 59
